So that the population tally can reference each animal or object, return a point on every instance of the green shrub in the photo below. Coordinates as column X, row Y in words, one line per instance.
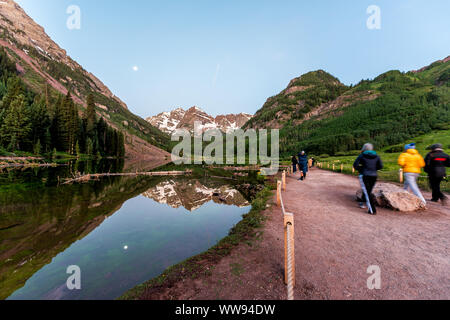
column 395, row 149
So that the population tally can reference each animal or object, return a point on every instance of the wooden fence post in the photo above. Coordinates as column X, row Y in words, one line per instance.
column 401, row 175
column 284, row 180
column 342, row 168
column 289, row 223
column 278, row 193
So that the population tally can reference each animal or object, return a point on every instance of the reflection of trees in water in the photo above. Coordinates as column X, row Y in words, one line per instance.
column 52, row 175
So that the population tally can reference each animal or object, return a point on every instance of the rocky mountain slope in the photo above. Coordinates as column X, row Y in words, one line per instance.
column 319, row 114
column 302, row 95
column 179, row 118
column 41, row 62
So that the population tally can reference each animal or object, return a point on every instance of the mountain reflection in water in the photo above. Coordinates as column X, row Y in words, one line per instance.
column 192, row 194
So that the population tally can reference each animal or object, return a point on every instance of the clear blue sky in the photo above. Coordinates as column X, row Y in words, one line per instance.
column 230, row 56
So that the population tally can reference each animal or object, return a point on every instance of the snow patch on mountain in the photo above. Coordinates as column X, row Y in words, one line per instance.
column 179, row 118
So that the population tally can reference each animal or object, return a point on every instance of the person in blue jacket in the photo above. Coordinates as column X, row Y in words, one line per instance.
column 303, row 164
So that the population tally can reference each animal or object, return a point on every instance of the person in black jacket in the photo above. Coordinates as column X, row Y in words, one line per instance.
column 436, row 163
column 368, row 164
column 294, row 163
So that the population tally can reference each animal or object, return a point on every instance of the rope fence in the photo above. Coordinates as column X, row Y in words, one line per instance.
column 289, row 239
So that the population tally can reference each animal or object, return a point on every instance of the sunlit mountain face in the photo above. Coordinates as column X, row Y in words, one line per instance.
column 179, row 118
column 192, row 194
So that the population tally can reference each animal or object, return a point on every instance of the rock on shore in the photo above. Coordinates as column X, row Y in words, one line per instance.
column 391, row 196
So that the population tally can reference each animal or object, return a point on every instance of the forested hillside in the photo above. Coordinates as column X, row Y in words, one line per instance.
column 387, row 110
column 40, row 124
column 301, row 96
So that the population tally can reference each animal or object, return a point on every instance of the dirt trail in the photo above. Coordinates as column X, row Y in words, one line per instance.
column 335, row 244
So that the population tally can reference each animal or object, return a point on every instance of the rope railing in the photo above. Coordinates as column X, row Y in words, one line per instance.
column 289, row 240
column 289, row 254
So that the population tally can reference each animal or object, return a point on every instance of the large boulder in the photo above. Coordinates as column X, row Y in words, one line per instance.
column 391, row 196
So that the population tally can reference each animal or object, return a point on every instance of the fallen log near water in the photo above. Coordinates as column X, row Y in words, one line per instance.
column 28, row 165
column 89, row 177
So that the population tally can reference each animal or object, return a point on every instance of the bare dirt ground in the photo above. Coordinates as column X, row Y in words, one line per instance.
column 336, row 242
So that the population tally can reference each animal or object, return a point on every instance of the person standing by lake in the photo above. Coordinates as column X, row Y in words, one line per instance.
column 436, row 163
column 294, row 164
column 412, row 163
column 303, row 164
column 367, row 164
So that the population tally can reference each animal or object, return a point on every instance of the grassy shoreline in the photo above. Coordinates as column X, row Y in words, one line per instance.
column 202, row 265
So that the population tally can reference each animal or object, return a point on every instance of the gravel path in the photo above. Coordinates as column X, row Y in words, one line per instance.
column 336, row 242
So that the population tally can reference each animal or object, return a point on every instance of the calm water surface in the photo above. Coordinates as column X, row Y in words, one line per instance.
column 120, row 232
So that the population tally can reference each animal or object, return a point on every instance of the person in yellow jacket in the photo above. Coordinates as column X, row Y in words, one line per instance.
column 412, row 163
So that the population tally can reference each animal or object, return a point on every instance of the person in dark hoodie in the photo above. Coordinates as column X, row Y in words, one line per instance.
column 368, row 164
column 294, row 164
column 436, row 163
column 303, row 164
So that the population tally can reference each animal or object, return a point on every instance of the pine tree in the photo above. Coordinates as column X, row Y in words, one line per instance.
column 77, row 150
column 12, row 146
column 59, row 126
column 15, row 88
column 120, row 145
column 7, row 67
column 102, row 134
column 72, row 121
column 37, row 147
column 89, row 116
column 89, row 147
column 40, row 120
column 17, row 125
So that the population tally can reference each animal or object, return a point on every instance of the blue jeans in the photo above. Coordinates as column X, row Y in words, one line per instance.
column 411, row 183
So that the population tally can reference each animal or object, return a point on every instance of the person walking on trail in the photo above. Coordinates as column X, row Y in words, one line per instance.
column 294, row 163
column 367, row 164
column 436, row 163
column 303, row 164
column 412, row 163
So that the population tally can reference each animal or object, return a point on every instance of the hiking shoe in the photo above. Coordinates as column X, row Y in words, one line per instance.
column 362, row 205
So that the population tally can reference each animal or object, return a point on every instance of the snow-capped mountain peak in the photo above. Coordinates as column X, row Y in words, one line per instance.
column 184, row 119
